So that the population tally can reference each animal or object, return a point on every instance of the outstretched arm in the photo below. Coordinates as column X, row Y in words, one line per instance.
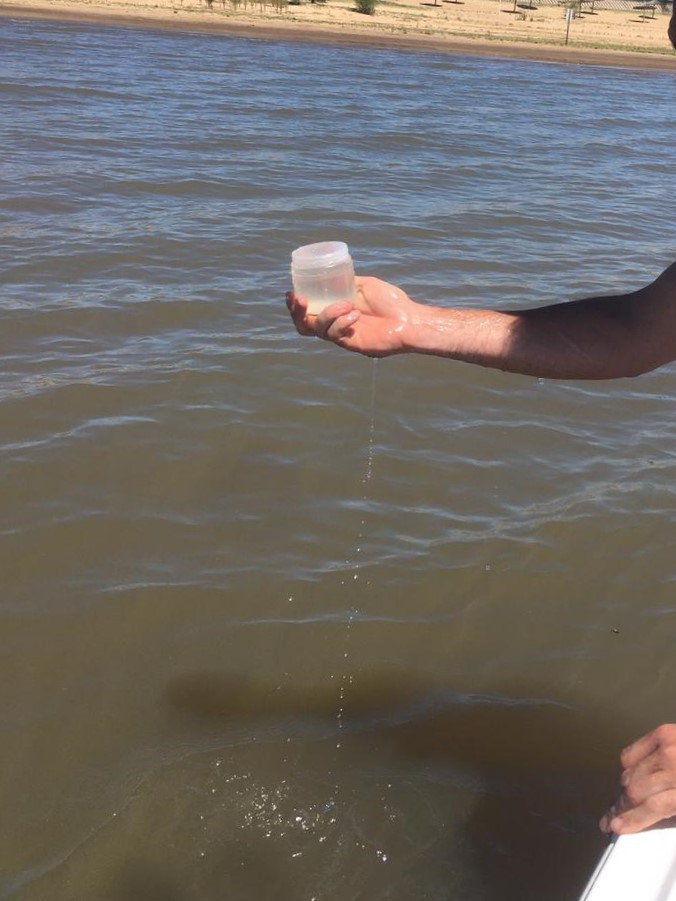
column 595, row 338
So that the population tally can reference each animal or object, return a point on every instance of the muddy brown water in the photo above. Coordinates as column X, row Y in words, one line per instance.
column 279, row 622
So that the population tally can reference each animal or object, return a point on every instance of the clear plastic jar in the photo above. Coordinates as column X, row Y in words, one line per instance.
column 322, row 274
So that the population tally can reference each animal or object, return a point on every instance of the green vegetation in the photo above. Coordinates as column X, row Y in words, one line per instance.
column 368, row 7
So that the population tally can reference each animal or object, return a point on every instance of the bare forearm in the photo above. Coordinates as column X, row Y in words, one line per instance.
column 553, row 342
column 595, row 338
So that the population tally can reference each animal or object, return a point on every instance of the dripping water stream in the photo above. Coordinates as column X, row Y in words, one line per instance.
column 356, row 562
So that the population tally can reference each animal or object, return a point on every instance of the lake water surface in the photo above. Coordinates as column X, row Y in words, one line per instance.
column 278, row 622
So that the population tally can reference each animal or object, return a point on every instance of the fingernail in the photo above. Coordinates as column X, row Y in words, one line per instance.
column 603, row 824
column 624, row 778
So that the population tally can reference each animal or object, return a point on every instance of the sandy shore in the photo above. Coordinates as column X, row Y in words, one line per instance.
column 627, row 38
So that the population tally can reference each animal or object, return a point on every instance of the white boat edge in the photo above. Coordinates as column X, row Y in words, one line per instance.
column 639, row 867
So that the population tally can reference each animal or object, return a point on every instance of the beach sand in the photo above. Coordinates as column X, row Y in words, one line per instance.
column 500, row 28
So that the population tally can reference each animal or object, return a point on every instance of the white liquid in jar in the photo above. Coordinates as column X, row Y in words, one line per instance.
column 323, row 274
column 321, row 291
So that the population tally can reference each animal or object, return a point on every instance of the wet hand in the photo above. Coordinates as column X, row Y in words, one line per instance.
column 375, row 325
column 648, row 782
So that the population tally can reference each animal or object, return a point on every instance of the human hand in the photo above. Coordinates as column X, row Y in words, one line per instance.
column 375, row 325
column 648, row 782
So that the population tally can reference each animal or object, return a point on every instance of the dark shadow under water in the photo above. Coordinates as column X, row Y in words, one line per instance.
column 549, row 761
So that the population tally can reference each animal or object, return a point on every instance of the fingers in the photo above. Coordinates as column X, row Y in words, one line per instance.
column 298, row 309
column 650, row 770
column 643, row 785
column 332, row 324
column 654, row 753
column 336, row 321
column 649, row 783
column 657, row 807
column 640, row 749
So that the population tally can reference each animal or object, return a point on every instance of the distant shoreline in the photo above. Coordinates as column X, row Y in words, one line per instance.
column 271, row 28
